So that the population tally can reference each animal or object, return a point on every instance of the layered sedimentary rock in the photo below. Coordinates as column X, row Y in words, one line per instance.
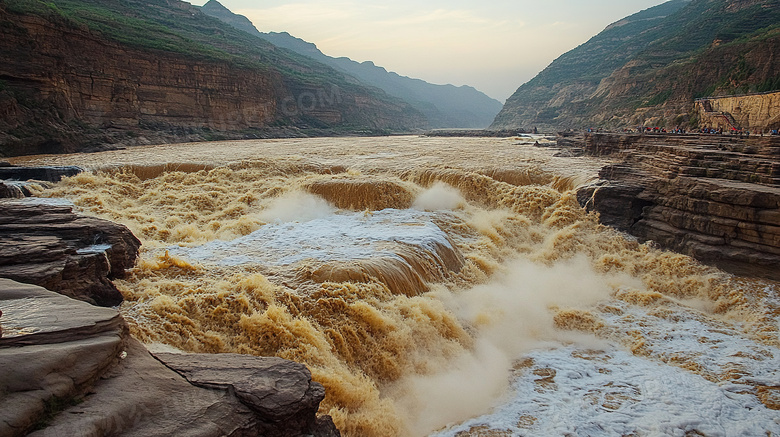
column 648, row 68
column 47, row 244
column 14, row 180
column 279, row 391
column 69, row 368
column 46, row 174
column 755, row 112
column 68, row 86
column 713, row 197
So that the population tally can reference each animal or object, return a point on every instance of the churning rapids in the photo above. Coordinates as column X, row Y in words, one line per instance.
column 435, row 287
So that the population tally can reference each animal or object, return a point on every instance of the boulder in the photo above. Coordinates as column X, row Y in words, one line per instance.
column 45, row 173
column 53, row 348
column 281, row 392
column 14, row 190
column 72, row 369
column 45, row 243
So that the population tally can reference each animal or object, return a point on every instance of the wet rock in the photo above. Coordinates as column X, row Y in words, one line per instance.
column 52, row 348
column 9, row 191
column 281, row 392
column 70, row 368
column 714, row 198
column 46, row 174
column 47, row 244
column 14, row 190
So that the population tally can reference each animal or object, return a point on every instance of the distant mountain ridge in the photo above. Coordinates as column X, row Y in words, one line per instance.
column 445, row 106
column 649, row 67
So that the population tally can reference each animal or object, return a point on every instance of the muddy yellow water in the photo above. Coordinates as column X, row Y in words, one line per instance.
column 412, row 275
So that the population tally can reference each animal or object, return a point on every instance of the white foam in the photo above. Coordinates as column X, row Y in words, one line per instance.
column 621, row 394
column 97, row 248
column 438, row 197
column 715, row 347
column 656, row 394
column 337, row 237
column 52, row 201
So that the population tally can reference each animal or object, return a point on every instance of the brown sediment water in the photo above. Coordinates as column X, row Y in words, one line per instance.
column 411, row 274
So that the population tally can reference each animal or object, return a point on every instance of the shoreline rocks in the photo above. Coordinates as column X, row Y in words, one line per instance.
column 15, row 179
column 714, row 198
column 45, row 173
column 70, row 368
column 279, row 391
column 43, row 242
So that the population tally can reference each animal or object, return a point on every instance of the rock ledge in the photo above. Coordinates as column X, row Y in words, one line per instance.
column 70, row 368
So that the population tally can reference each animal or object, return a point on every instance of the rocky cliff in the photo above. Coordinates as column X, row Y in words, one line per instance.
column 715, row 198
column 756, row 112
column 80, row 73
column 648, row 68
column 444, row 106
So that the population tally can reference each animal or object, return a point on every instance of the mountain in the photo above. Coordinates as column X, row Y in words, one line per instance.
column 79, row 74
column 649, row 67
column 445, row 106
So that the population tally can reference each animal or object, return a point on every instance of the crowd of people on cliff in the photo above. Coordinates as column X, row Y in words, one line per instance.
column 737, row 132
column 680, row 131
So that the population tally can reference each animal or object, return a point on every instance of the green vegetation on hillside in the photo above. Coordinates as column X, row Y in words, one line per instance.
column 182, row 29
column 652, row 64
column 44, row 118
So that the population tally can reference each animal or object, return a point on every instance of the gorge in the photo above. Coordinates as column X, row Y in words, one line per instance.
column 70, row 82
column 474, row 271
column 647, row 69
column 260, row 240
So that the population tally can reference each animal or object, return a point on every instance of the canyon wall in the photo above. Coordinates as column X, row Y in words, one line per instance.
column 74, row 77
column 64, row 86
column 648, row 68
column 754, row 112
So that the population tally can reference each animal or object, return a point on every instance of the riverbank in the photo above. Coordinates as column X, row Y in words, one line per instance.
column 716, row 198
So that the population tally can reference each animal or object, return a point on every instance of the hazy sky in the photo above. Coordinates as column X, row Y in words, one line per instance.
column 492, row 45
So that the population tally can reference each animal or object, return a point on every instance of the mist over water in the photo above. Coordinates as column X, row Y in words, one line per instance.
column 296, row 206
column 472, row 298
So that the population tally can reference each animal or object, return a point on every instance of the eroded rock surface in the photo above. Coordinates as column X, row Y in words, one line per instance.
column 47, row 244
column 71, row 369
column 46, row 173
column 281, row 392
column 715, row 198
column 52, row 349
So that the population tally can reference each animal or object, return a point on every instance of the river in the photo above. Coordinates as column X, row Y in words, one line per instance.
column 434, row 286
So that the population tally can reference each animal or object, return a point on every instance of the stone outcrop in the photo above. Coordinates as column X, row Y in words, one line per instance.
column 715, row 198
column 69, row 368
column 45, row 243
column 753, row 112
column 13, row 190
column 14, row 180
column 53, row 348
column 279, row 391
column 44, row 173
